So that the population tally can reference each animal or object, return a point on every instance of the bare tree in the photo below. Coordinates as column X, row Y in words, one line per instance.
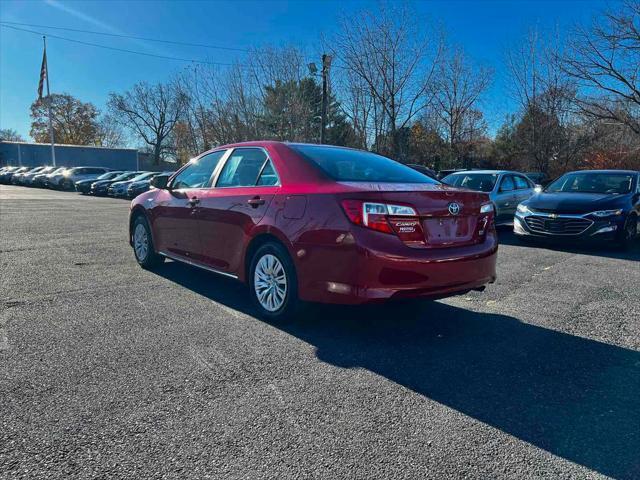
column 546, row 95
column 10, row 135
column 605, row 61
column 110, row 133
column 151, row 112
column 391, row 53
column 459, row 86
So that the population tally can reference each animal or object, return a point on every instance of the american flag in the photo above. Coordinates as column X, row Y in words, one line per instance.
column 43, row 74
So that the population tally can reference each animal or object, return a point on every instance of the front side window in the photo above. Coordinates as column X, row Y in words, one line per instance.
column 247, row 167
column 198, row 173
column 593, row 182
column 348, row 165
column 480, row 182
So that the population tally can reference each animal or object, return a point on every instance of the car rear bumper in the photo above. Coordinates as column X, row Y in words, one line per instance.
column 378, row 267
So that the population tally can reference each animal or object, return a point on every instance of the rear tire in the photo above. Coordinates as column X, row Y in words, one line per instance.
column 143, row 248
column 273, row 283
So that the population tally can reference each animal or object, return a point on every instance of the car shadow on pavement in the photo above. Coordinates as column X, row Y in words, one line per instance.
column 507, row 237
column 576, row 398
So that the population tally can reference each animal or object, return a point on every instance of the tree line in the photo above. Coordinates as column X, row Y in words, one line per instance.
column 397, row 86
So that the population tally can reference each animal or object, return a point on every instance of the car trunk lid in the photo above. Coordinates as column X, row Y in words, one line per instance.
column 449, row 217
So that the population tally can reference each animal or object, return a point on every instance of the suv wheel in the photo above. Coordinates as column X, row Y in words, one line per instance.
column 143, row 244
column 273, row 282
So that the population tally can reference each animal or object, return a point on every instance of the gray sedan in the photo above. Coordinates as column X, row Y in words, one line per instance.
column 505, row 188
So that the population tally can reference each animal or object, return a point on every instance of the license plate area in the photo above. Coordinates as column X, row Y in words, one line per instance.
column 449, row 231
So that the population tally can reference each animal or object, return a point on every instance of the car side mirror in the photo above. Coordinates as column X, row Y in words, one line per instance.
column 160, row 182
column 537, row 188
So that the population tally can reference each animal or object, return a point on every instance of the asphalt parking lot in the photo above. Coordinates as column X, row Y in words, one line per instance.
column 108, row 370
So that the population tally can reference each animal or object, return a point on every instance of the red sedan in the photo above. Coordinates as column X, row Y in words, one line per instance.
column 317, row 223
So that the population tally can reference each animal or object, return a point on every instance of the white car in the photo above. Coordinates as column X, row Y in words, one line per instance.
column 67, row 179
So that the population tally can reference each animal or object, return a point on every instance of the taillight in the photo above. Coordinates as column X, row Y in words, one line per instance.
column 486, row 221
column 401, row 220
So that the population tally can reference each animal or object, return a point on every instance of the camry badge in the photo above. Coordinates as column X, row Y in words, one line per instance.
column 454, row 208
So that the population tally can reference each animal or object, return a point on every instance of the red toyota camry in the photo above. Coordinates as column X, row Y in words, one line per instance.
column 317, row 223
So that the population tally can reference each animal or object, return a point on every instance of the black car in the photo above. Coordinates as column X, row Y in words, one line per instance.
column 28, row 179
column 135, row 188
column 424, row 170
column 84, row 186
column 584, row 205
column 7, row 173
column 6, row 176
column 16, row 179
column 100, row 187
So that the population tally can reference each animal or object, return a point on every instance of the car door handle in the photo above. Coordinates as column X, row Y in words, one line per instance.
column 193, row 201
column 256, row 201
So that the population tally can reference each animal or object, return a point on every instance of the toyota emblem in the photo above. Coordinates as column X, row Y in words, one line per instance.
column 454, row 208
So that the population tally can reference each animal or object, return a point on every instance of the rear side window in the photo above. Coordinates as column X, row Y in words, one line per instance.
column 268, row 177
column 198, row 173
column 507, row 184
column 247, row 167
column 347, row 165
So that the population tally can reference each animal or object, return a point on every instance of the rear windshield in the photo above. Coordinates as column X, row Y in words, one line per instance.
column 481, row 182
column 593, row 182
column 346, row 165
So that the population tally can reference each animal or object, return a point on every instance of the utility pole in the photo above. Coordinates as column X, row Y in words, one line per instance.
column 326, row 64
column 53, row 150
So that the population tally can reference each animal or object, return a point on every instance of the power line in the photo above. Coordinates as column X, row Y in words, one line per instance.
column 166, row 57
column 174, row 42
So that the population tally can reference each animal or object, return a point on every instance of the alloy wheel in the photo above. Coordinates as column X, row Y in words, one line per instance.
column 270, row 283
column 141, row 242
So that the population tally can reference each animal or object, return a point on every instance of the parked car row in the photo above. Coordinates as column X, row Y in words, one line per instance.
column 602, row 205
column 86, row 180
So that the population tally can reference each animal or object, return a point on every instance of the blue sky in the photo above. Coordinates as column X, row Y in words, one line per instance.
column 485, row 29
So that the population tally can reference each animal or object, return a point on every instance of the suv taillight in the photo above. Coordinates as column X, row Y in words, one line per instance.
column 401, row 220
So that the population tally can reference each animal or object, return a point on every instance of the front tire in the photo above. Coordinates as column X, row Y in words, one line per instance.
column 629, row 233
column 143, row 248
column 273, row 283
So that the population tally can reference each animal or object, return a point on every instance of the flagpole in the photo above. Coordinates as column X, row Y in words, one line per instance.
column 53, row 150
